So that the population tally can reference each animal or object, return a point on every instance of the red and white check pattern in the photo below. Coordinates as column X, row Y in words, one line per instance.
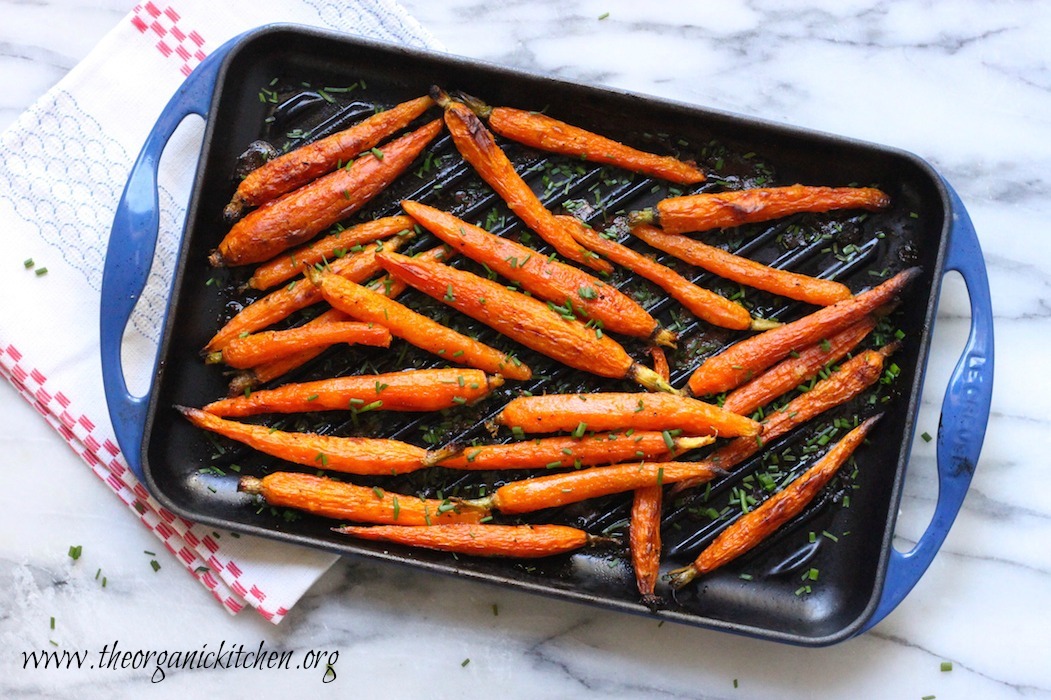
column 172, row 40
column 183, row 539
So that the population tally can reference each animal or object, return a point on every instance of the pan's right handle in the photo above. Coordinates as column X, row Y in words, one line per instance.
column 964, row 416
column 129, row 254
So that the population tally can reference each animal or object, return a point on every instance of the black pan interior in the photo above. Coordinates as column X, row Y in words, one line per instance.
column 815, row 581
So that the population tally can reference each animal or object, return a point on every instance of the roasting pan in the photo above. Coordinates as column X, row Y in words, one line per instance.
column 272, row 83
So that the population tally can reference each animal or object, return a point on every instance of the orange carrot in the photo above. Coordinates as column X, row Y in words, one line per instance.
column 285, row 267
column 644, row 539
column 300, row 215
column 407, row 390
column 543, row 277
column 736, row 268
column 549, row 491
column 558, row 335
column 330, row 498
column 743, row 360
column 372, row 307
column 483, row 540
column 578, row 413
column 478, row 147
column 702, row 303
column 794, row 370
column 701, row 212
column 251, row 350
column 299, row 294
column 268, row 371
column 644, row 527
column 298, row 167
column 558, row 452
column 351, row 455
column 547, row 134
column 756, row 525
column 853, row 377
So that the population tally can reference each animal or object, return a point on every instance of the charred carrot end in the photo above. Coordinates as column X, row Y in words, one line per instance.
column 485, row 540
column 298, row 167
column 579, row 413
column 758, row 524
column 352, row 455
column 565, row 452
column 547, row 134
column 351, row 240
column 522, row 318
column 794, row 370
column 701, row 212
column 553, row 281
column 644, row 537
column 330, row 498
column 409, row 390
column 791, row 285
column 702, row 303
column 744, row 360
column 372, row 307
column 478, row 147
column 300, row 215
column 257, row 348
column 537, row 493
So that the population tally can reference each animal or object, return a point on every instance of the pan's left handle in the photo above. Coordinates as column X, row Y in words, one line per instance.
column 129, row 254
column 964, row 416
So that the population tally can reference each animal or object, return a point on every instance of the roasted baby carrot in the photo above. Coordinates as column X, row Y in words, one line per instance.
column 556, row 334
column 298, row 294
column 298, row 167
column 303, row 213
column 644, row 540
column 644, row 525
column 251, row 350
column 478, row 147
column 285, row 267
column 415, row 328
column 853, row 377
column 702, row 303
column 744, row 360
column 351, row 455
column 549, row 491
column 408, row 390
column 701, row 212
column 543, row 277
column 483, row 540
column 330, row 498
column 758, row 524
column 792, row 371
column 750, row 273
column 579, row 413
column 268, row 371
column 586, row 451
column 548, row 134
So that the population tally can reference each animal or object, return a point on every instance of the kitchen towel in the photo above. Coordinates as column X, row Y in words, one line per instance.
column 65, row 165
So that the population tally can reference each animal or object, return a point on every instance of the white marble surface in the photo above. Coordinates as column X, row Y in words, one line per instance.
column 966, row 85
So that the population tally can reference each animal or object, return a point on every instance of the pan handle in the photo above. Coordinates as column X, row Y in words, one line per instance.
column 129, row 254
column 964, row 415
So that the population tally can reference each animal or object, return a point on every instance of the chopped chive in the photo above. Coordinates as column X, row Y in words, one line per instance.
column 40, row 271
column 581, row 428
column 946, row 665
column 74, row 552
column 464, row 662
column 377, row 153
column 604, row 15
column 28, row 263
column 926, row 436
column 155, row 564
column 668, row 439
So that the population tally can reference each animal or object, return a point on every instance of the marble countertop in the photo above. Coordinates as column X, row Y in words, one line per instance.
column 967, row 86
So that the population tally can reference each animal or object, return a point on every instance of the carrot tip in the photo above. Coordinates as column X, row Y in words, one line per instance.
column 241, row 382
column 216, row 259
column 440, row 97
column 680, row 577
column 662, row 336
column 651, row 379
column 233, row 211
column 477, row 106
column 213, row 358
column 764, row 324
column 250, row 484
column 642, row 216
